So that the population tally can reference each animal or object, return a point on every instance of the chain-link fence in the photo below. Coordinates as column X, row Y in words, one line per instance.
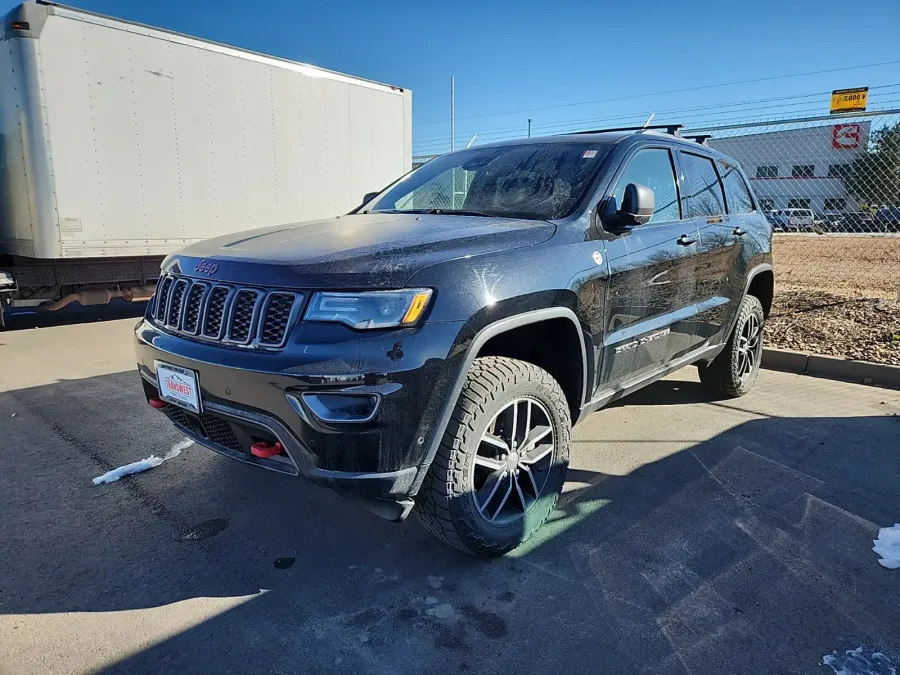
column 829, row 186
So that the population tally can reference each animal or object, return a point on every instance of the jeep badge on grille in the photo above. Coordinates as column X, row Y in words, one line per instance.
column 207, row 268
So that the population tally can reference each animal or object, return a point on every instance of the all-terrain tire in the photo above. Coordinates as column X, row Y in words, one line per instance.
column 445, row 503
column 724, row 375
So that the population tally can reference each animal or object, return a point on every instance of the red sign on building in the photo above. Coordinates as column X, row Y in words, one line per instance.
column 845, row 136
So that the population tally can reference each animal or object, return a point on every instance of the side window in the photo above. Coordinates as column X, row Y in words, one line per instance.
column 652, row 167
column 704, row 191
column 736, row 191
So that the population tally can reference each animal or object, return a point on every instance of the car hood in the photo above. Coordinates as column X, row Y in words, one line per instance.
column 355, row 251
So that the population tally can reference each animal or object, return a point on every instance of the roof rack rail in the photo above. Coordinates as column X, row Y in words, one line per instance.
column 699, row 138
column 673, row 129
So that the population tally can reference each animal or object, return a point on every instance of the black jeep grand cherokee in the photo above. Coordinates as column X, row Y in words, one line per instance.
column 433, row 348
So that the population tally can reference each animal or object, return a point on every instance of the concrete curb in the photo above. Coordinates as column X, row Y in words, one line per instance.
column 831, row 367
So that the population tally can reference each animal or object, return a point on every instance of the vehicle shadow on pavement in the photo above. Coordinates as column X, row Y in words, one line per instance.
column 667, row 392
column 749, row 552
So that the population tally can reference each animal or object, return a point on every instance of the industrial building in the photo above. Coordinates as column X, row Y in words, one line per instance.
column 800, row 168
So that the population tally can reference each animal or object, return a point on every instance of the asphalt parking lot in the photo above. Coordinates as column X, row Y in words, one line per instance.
column 695, row 536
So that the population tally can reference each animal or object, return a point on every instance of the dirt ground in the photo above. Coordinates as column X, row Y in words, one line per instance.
column 860, row 266
column 837, row 295
column 838, row 325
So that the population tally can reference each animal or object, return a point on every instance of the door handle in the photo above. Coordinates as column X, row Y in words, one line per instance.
column 738, row 232
column 684, row 240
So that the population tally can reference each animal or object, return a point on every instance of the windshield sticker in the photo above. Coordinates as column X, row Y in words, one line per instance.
column 589, row 154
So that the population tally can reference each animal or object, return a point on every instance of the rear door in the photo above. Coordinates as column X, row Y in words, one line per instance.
column 704, row 199
column 651, row 269
column 745, row 223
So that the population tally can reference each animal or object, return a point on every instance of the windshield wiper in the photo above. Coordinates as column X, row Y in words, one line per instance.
column 462, row 212
column 440, row 212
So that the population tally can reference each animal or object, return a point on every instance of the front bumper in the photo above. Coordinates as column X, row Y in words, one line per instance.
column 249, row 395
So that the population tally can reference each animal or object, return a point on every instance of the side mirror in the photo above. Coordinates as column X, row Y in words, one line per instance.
column 638, row 205
column 369, row 197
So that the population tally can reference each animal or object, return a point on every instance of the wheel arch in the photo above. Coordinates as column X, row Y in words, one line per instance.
column 761, row 283
column 476, row 348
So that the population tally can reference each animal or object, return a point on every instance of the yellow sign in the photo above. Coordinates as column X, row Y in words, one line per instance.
column 849, row 100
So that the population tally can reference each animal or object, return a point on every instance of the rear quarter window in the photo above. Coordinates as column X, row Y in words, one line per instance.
column 737, row 193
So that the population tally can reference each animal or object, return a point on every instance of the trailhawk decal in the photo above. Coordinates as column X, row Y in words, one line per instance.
column 634, row 344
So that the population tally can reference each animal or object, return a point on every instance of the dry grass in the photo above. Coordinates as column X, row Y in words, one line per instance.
column 867, row 266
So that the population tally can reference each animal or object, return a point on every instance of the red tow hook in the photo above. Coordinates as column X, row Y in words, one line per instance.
column 157, row 403
column 264, row 449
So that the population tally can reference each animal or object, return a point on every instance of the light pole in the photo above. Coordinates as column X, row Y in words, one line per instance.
column 452, row 142
column 529, row 127
column 452, row 114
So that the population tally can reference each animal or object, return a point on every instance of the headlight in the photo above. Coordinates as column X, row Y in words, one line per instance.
column 373, row 309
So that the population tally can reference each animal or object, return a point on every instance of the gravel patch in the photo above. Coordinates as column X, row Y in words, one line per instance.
column 866, row 329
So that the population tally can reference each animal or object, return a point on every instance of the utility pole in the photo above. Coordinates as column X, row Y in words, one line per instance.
column 529, row 127
column 452, row 141
column 452, row 112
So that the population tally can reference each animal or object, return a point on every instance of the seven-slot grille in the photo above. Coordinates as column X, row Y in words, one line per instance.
column 224, row 312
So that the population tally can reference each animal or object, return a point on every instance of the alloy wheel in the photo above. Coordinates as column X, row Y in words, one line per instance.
column 513, row 461
column 748, row 346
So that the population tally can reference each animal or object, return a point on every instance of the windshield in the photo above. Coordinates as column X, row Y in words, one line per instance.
column 540, row 181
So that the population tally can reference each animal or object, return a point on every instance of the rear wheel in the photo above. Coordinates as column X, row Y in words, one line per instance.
column 733, row 372
column 502, row 462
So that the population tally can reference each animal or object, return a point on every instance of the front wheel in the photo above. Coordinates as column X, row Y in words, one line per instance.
column 733, row 372
column 502, row 462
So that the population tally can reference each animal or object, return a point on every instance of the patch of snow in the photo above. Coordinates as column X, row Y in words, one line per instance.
column 444, row 611
column 855, row 662
column 431, row 600
column 128, row 469
column 888, row 546
column 177, row 448
column 149, row 463
column 435, row 582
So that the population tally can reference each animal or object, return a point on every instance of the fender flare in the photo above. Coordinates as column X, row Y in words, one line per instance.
column 485, row 334
column 755, row 272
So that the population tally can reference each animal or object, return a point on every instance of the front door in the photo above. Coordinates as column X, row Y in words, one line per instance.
column 651, row 275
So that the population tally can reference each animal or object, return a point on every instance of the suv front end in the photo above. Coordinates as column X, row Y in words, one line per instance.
column 337, row 386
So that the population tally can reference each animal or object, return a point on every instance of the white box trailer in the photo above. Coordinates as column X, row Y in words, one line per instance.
column 120, row 142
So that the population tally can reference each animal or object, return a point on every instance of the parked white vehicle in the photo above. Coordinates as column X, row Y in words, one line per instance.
column 149, row 140
column 791, row 220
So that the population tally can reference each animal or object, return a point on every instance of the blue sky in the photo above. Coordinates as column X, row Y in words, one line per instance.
column 523, row 57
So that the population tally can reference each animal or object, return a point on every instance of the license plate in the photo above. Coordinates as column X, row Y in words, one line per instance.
column 178, row 385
